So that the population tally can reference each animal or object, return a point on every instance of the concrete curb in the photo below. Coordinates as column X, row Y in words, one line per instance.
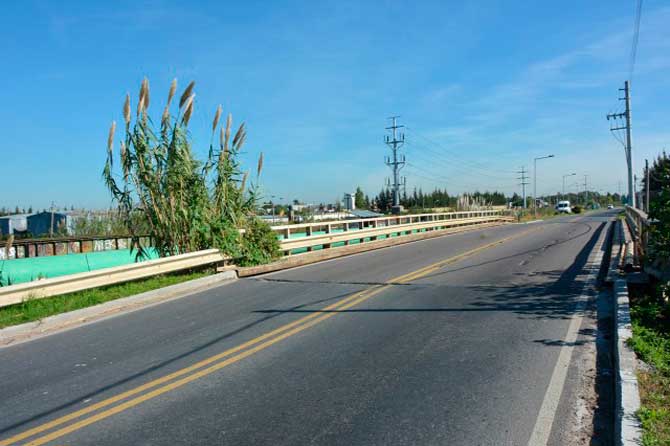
column 627, row 425
column 617, row 251
column 60, row 322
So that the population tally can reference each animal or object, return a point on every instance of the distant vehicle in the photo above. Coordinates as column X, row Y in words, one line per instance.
column 610, row 206
column 564, row 207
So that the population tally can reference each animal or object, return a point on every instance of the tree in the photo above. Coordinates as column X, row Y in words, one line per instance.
column 337, row 205
column 659, row 209
column 359, row 199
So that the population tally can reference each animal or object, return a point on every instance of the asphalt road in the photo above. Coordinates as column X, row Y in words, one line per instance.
column 454, row 340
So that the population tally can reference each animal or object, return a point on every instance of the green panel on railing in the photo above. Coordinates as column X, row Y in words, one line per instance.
column 32, row 268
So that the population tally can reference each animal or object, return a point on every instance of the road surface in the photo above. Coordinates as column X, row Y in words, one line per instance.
column 465, row 339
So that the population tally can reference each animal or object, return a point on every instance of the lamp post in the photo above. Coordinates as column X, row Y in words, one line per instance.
column 535, row 181
column 273, row 206
column 564, row 177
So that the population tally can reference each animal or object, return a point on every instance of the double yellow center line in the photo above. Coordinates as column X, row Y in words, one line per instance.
column 159, row 386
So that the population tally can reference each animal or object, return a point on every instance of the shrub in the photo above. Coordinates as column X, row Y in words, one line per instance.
column 577, row 209
column 187, row 204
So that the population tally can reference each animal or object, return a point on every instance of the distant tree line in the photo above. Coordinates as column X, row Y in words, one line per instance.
column 418, row 199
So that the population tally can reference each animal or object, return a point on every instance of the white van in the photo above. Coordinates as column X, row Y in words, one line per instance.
column 564, row 206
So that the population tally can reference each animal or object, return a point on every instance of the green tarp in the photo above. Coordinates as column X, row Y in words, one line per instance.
column 25, row 270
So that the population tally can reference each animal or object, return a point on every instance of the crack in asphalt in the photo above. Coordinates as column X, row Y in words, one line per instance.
column 328, row 282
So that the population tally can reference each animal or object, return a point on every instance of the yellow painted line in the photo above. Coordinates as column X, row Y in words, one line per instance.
column 281, row 333
column 204, row 372
column 169, row 377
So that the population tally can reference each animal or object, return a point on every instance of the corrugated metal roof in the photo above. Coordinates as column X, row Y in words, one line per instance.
column 364, row 213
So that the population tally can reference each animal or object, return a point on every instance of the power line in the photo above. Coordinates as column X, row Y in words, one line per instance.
column 449, row 153
column 427, row 171
column 444, row 160
column 439, row 164
column 636, row 37
column 442, row 177
column 454, row 185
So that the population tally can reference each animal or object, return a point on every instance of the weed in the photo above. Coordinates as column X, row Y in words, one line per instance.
column 651, row 342
column 33, row 309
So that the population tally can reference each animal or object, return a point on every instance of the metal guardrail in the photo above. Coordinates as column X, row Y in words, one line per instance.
column 108, row 276
column 371, row 232
column 329, row 227
column 344, row 232
column 46, row 247
column 640, row 225
column 638, row 222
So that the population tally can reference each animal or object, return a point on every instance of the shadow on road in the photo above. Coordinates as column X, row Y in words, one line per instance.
column 162, row 364
column 555, row 300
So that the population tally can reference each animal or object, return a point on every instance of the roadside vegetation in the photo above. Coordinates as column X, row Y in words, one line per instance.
column 651, row 341
column 37, row 309
column 185, row 204
column 651, row 315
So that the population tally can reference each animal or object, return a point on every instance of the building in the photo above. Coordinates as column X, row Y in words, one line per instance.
column 13, row 224
column 349, row 202
column 46, row 223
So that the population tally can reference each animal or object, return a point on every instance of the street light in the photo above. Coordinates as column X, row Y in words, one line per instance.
column 273, row 206
column 535, row 181
column 564, row 177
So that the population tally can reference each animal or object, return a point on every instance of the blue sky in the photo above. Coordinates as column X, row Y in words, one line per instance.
column 482, row 87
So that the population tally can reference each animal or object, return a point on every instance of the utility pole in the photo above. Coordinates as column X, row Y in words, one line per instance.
column 586, row 191
column 646, row 171
column 396, row 141
column 523, row 183
column 535, row 181
column 51, row 226
column 564, row 177
column 629, row 139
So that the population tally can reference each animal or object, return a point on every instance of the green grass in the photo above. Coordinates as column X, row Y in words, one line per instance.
column 36, row 309
column 651, row 342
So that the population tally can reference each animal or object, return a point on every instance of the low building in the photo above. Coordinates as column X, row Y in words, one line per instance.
column 14, row 224
column 364, row 213
column 46, row 223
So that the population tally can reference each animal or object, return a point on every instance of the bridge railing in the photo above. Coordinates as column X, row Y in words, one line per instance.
column 306, row 237
column 638, row 222
column 295, row 239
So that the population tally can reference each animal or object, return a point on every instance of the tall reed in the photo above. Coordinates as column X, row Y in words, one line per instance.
column 186, row 204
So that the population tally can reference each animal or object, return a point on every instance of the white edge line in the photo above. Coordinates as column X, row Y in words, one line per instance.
column 552, row 397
